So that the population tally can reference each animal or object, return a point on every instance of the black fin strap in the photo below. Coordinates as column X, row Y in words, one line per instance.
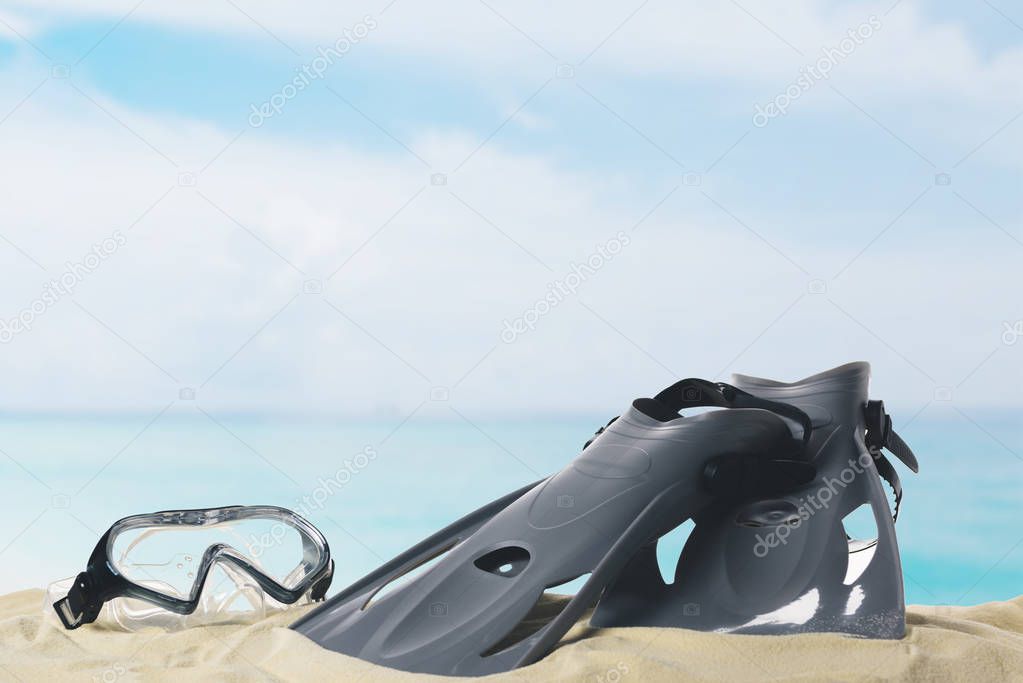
column 888, row 473
column 880, row 435
column 693, row 393
column 901, row 450
column 599, row 432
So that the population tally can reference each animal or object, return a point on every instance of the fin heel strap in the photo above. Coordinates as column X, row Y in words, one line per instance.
column 695, row 393
column 880, row 435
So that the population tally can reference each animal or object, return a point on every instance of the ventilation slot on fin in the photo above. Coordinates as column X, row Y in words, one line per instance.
column 861, row 532
column 402, row 579
column 669, row 550
column 552, row 601
column 506, row 562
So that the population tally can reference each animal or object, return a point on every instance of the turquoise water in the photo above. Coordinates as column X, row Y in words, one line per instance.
column 64, row 480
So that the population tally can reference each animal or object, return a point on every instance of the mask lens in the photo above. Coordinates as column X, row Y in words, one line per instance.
column 170, row 558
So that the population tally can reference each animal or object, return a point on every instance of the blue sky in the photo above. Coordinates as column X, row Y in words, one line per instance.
column 827, row 235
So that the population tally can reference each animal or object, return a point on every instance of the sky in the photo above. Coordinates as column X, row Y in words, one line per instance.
column 360, row 209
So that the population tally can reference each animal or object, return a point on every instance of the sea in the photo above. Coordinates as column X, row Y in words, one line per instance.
column 377, row 486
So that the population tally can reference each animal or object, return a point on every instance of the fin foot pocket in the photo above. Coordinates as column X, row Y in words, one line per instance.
column 768, row 513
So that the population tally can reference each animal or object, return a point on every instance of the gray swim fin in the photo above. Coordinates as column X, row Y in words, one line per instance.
column 785, row 564
column 644, row 474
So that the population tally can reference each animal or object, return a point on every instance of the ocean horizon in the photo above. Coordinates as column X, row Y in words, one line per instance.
column 377, row 486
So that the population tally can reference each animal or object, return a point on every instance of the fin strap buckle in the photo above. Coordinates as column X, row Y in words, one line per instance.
column 880, row 434
column 879, row 426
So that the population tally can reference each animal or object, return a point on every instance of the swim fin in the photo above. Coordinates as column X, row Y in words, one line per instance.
column 767, row 483
column 785, row 563
column 644, row 474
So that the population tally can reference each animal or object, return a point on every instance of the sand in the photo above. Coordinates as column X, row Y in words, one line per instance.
column 982, row 643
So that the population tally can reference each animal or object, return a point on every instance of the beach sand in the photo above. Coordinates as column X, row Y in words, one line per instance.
column 982, row 643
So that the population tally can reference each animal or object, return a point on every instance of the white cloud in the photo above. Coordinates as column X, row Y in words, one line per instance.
column 15, row 26
column 429, row 287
